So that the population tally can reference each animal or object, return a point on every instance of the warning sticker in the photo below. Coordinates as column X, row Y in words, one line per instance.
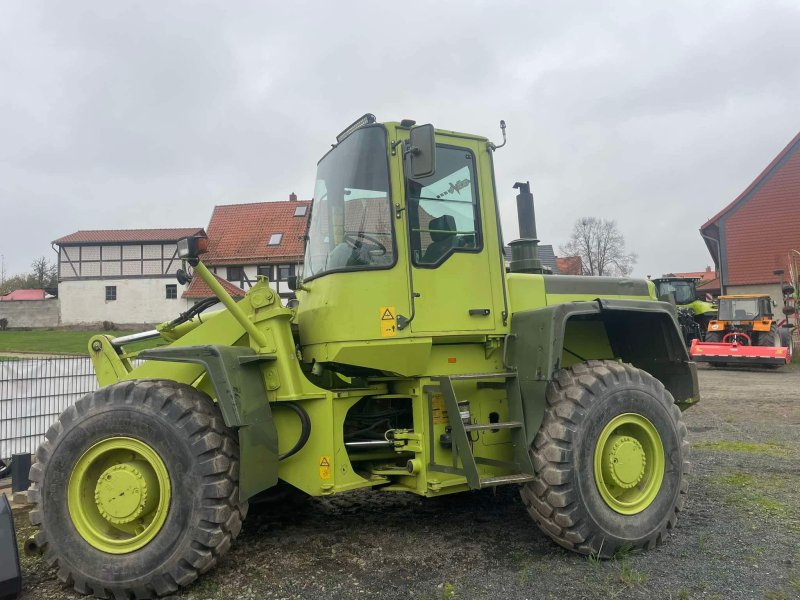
column 438, row 410
column 388, row 320
column 324, row 467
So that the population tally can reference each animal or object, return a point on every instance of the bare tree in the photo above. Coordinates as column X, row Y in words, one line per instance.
column 43, row 273
column 601, row 246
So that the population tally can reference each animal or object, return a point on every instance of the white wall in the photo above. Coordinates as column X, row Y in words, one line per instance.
column 773, row 290
column 138, row 301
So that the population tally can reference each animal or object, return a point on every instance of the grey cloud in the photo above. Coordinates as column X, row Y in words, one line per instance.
column 130, row 114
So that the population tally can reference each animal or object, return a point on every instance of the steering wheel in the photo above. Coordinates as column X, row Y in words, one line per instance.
column 356, row 241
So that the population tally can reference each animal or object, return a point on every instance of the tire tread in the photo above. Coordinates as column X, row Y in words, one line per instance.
column 552, row 499
column 215, row 447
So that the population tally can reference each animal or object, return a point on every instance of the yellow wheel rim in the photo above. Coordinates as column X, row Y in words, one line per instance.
column 118, row 495
column 629, row 463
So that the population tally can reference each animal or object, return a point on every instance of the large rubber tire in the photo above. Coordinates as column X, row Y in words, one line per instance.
column 185, row 429
column 769, row 338
column 565, row 499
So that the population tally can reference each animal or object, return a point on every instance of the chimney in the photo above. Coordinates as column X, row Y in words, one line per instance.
column 292, row 197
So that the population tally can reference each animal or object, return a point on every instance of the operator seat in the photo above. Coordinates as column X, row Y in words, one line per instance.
column 443, row 234
column 740, row 315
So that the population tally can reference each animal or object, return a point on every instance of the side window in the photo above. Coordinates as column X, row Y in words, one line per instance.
column 443, row 209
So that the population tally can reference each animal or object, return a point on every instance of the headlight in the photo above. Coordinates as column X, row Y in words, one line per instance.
column 184, row 248
column 192, row 247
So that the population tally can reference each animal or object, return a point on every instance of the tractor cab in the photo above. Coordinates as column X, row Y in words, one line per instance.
column 683, row 289
column 745, row 309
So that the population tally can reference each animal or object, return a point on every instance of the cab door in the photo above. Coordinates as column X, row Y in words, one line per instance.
column 450, row 263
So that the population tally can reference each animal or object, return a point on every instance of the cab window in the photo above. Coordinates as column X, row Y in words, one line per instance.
column 351, row 219
column 443, row 209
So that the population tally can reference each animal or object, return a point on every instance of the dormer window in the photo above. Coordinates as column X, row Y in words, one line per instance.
column 275, row 239
column 300, row 211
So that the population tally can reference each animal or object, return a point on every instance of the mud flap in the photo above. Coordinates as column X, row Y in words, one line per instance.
column 10, row 576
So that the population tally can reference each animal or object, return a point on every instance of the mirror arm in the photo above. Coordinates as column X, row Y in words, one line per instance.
column 409, row 150
column 492, row 146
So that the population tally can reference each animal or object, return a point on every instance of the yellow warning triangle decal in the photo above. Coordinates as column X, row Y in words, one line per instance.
column 324, row 462
column 387, row 315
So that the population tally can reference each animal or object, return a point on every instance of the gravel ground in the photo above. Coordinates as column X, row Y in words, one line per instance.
column 737, row 538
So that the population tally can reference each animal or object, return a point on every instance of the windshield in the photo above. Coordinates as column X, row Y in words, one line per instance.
column 684, row 294
column 739, row 309
column 351, row 219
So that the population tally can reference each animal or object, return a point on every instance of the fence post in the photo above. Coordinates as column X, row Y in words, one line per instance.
column 20, row 471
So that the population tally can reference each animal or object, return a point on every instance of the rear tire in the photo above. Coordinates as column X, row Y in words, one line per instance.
column 769, row 338
column 119, row 455
column 581, row 507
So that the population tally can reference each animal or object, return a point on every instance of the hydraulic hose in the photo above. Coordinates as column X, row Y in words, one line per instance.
column 305, row 428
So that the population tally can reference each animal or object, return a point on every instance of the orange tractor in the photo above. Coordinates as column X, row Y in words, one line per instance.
column 745, row 333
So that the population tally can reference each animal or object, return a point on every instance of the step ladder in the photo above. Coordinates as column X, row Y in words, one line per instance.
column 521, row 468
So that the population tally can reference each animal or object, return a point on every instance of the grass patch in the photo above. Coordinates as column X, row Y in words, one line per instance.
column 768, row 448
column 58, row 341
column 631, row 577
column 759, row 495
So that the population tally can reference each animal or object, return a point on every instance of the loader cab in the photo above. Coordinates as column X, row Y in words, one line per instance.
column 403, row 244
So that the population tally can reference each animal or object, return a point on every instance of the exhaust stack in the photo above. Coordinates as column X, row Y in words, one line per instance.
column 525, row 251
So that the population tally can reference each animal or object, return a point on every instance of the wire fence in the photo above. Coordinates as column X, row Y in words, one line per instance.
column 33, row 392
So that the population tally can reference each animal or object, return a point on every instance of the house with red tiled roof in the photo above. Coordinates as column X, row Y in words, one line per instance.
column 260, row 238
column 120, row 275
column 569, row 265
column 751, row 238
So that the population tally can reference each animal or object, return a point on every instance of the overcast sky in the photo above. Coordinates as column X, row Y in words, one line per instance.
column 142, row 114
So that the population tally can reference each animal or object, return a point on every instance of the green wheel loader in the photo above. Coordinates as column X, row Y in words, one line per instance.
column 412, row 360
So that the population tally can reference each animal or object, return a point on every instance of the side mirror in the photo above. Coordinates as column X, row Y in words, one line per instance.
column 291, row 281
column 422, row 148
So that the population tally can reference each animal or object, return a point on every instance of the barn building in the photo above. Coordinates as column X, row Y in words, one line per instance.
column 120, row 275
column 751, row 238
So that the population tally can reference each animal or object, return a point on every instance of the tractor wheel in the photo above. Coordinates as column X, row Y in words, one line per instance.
column 136, row 490
column 611, row 460
column 769, row 338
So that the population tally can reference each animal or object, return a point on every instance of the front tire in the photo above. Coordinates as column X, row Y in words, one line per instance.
column 611, row 460
column 136, row 490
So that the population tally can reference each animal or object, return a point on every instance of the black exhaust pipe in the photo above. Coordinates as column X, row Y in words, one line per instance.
column 525, row 251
